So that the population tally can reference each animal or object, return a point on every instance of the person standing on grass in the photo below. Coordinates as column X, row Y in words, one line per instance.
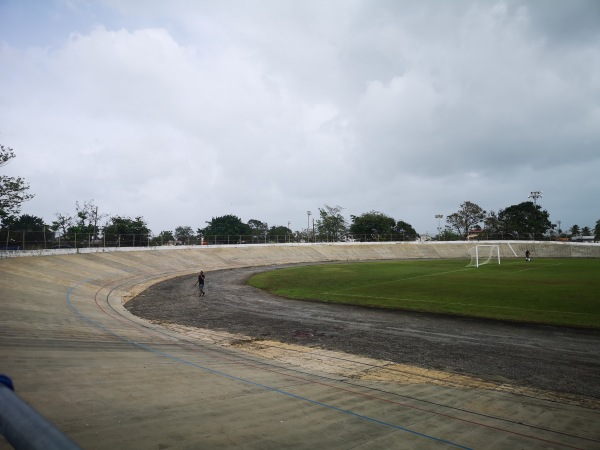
column 200, row 283
column 527, row 255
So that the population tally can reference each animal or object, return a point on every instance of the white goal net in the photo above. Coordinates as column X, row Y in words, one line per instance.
column 484, row 254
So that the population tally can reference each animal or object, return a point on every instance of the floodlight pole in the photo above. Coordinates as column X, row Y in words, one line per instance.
column 308, row 213
column 535, row 195
column 439, row 217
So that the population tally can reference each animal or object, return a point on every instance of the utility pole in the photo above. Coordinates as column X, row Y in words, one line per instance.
column 95, row 223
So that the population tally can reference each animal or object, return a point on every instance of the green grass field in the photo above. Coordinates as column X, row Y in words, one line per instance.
column 547, row 291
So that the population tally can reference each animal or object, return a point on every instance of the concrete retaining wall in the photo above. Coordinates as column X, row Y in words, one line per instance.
column 265, row 254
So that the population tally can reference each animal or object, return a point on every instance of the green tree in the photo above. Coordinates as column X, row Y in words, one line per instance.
column 372, row 226
column 597, row 231
column 406, row 230
column 280, row 234
column 127, row 232
column 258, row 229
column 468, row 216
column 492, row 225
column 524, row 219
column 184, row 234
column 31, row 229
column 225, row 229
column 86, row 220
column 13, row 190
column 448, row 234
column 25, row 222
column 332, row 225
column 585, row 231
column 62, row 224
column 83, row 224
column 575, row 230
column 163, row 238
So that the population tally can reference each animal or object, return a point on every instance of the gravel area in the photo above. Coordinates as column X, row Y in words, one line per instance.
column 541, row 357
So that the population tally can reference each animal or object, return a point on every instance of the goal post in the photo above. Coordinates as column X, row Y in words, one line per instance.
column 484, row 254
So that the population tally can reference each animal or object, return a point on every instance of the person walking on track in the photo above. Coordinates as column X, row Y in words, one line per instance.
column 200, row 283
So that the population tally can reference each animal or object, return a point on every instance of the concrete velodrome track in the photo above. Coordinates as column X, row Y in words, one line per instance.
column 111, row 380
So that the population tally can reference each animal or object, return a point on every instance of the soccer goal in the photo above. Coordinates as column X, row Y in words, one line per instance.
column 484, row 254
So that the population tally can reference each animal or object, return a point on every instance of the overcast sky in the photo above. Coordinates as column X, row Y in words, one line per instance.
column 186, row 110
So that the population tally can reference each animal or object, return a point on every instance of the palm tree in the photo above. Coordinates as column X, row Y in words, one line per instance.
column 575, row 231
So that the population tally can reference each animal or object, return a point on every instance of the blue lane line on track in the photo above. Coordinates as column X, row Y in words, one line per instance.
column 253, row 383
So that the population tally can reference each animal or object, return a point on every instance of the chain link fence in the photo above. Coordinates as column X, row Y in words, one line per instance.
column 40, row 240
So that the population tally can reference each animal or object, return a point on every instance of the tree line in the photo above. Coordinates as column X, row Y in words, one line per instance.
column 526, row 220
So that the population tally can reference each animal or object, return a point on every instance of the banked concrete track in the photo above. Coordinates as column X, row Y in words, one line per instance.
column 110, row 380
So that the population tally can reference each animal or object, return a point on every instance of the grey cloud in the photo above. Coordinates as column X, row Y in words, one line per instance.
column 187, row 110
